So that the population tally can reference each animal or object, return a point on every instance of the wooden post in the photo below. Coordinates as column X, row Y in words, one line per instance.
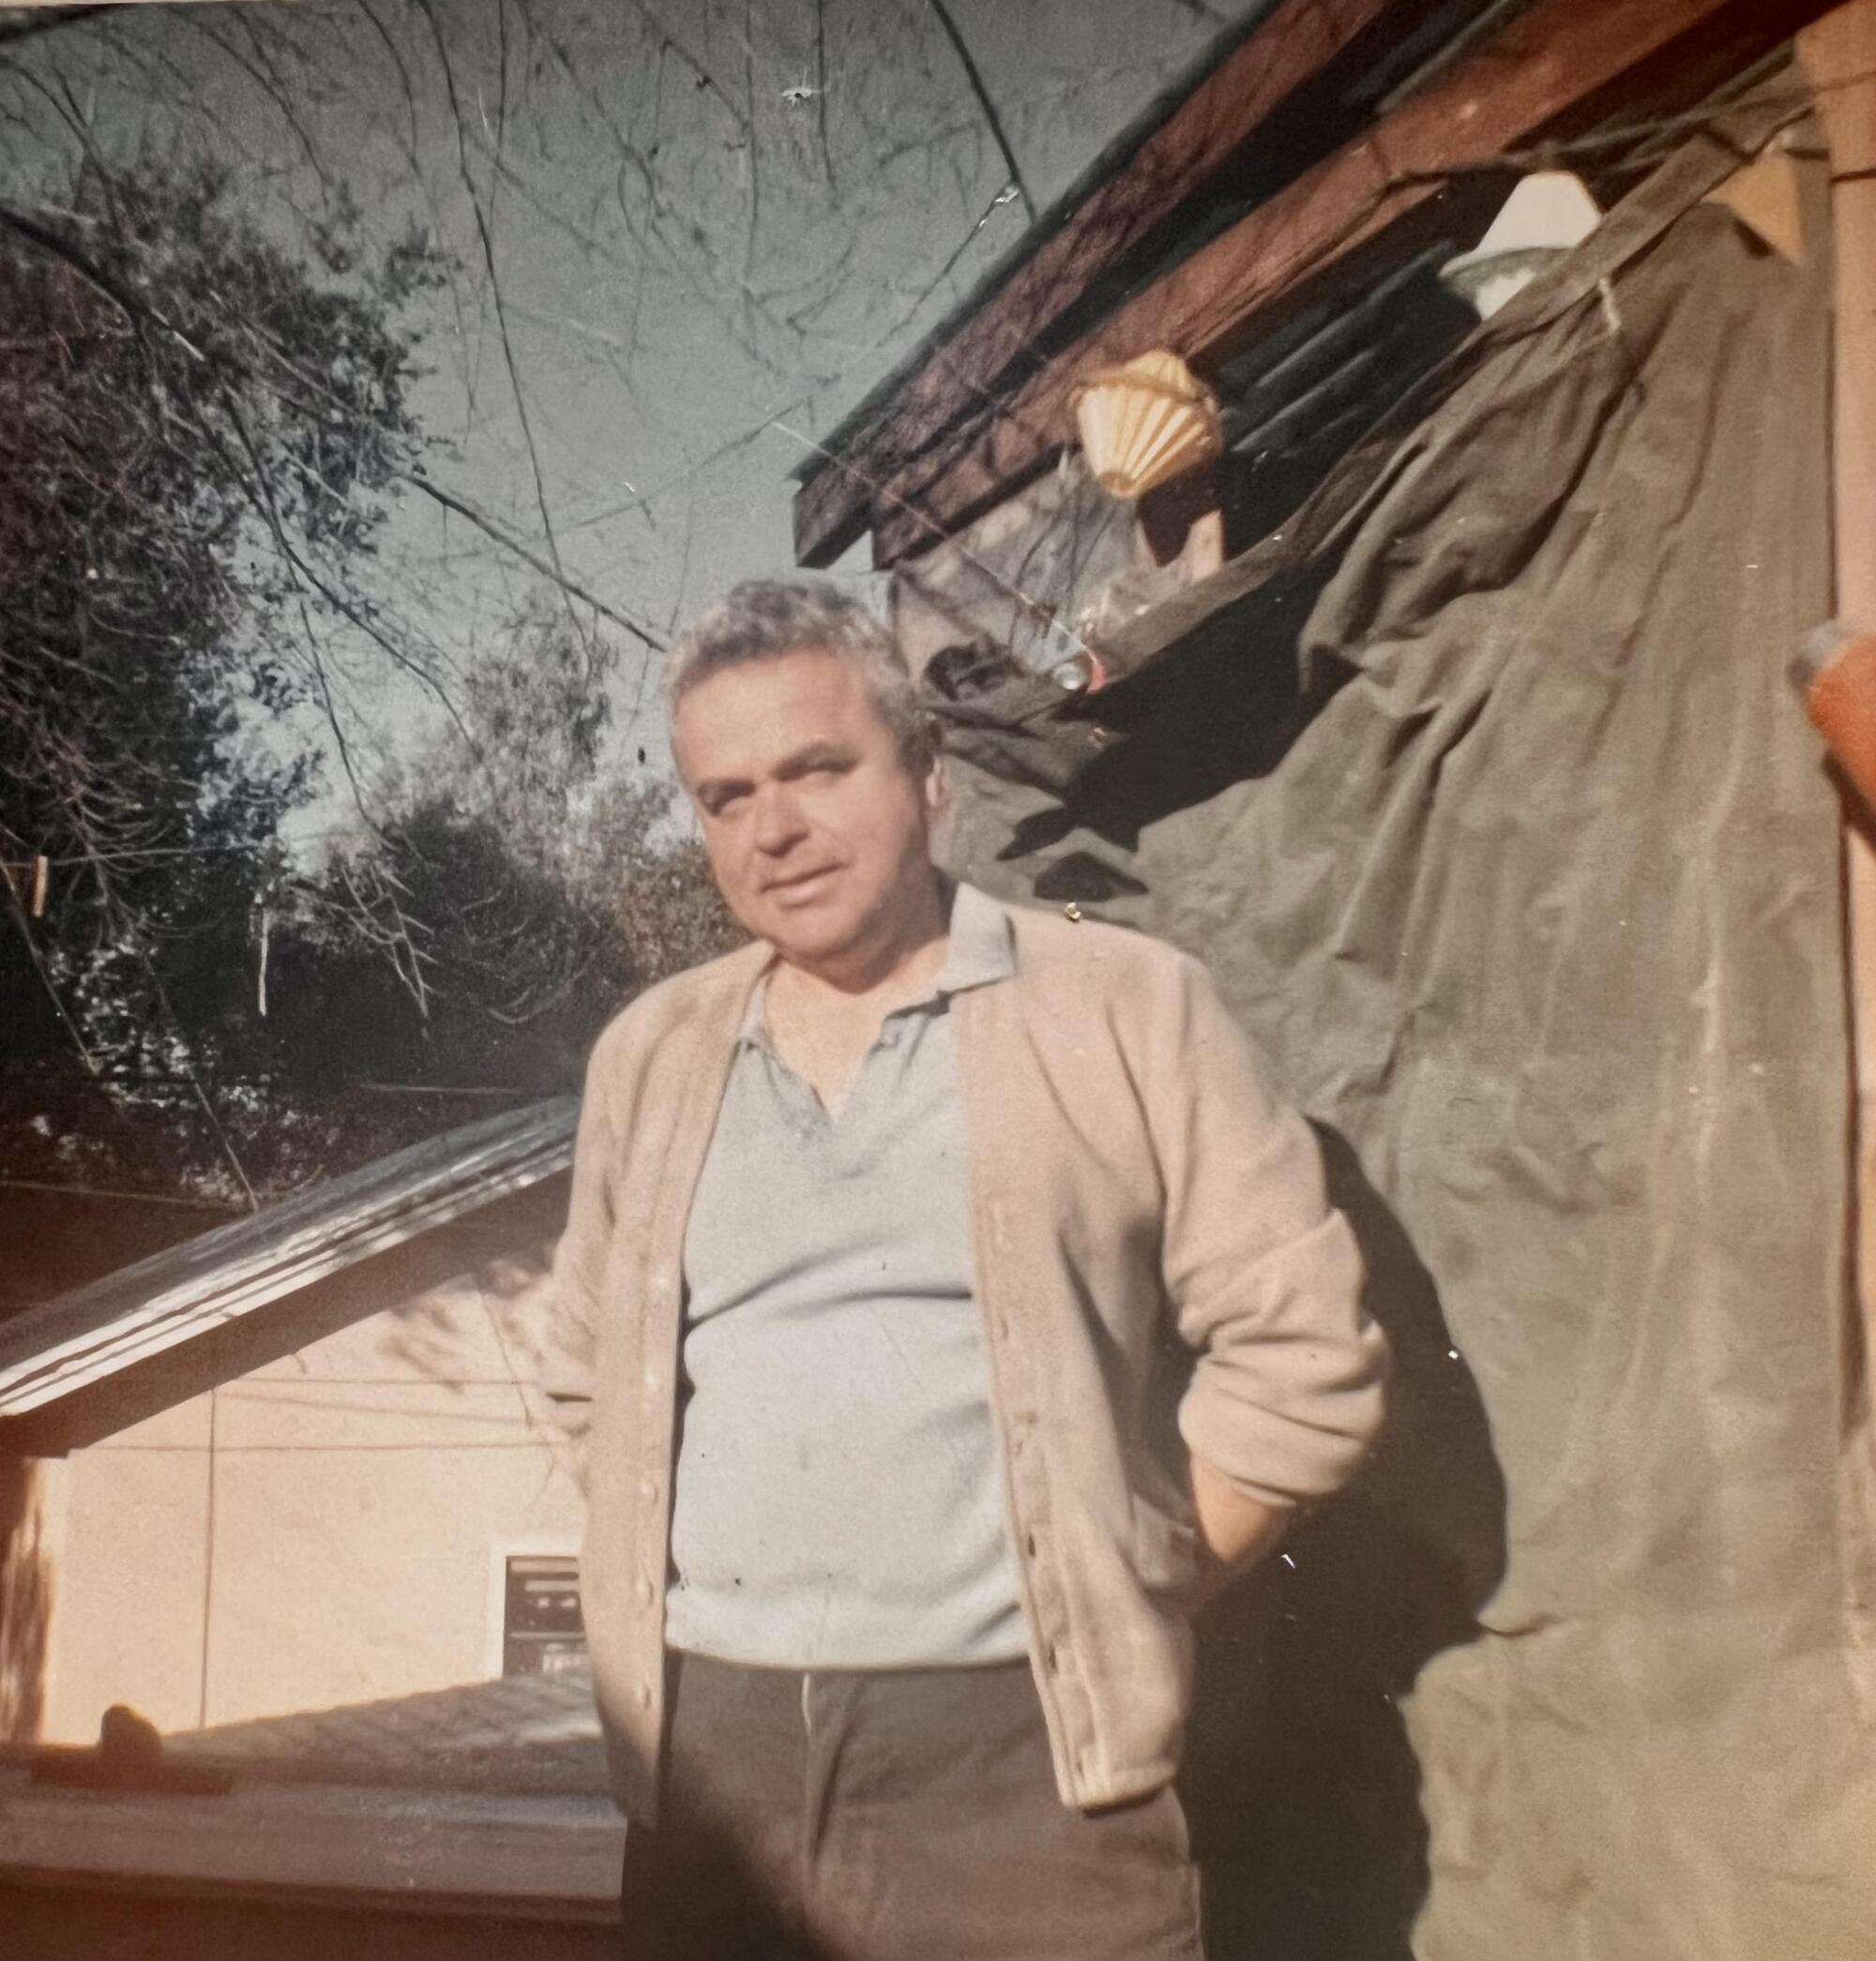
column 1838, row 54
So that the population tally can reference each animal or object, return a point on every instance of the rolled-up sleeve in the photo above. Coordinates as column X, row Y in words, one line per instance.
column 1263, row 1274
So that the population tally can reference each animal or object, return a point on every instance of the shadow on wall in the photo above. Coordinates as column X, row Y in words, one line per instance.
column 25, row 1601
column 1303, row 1789
column 407, row 1273
column 497, row 1296
column 1163, row 746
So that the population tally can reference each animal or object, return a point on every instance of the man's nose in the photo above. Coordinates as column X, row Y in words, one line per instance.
column 778, row 822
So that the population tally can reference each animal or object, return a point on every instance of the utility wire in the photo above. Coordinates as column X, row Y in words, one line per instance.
column 105, row 1191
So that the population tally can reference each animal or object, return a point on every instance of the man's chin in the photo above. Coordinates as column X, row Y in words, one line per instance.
column 808, row 930
column 813, row 906
column 810, row 943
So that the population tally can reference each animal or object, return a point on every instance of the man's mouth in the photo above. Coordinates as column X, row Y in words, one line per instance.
column 802, row 884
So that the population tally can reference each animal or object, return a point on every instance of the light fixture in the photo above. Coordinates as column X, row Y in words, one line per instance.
column 1549, row 213
column 1145, row 423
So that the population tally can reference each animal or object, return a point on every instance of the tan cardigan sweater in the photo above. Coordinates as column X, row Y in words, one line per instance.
column 1151, row 1245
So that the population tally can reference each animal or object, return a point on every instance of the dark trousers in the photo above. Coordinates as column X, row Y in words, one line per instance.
column 887, row 1816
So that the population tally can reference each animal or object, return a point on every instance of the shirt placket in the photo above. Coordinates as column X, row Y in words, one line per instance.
column 657, row 1392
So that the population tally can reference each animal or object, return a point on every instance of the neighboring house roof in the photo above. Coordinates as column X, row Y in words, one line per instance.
column 525, row 1734
column 491, row 1797
column 55, row 1238
column 219, row 1276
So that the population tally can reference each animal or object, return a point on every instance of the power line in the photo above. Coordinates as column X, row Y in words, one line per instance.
column 103, row 1191
column 303, row 1081
column 257, row 847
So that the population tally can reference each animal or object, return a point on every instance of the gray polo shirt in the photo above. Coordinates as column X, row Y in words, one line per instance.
column 840, row 1496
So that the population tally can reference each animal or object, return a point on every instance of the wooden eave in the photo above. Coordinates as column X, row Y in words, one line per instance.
column 1300, row 42
column 1740, row 130
column 1434, row 162
column 93, row 1332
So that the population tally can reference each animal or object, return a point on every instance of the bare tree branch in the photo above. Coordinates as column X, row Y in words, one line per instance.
column 820, row 92
column 487, row 244
column 132, row 306
column 705, row 79
column 981, row 91
column 488, row 526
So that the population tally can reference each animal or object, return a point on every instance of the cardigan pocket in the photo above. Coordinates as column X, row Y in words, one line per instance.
column 1165, row 1551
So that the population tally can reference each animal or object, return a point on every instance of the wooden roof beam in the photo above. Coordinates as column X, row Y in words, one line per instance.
column 1336, row 224
column 834, row 506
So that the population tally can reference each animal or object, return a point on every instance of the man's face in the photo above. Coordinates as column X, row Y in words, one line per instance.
column 818, row 832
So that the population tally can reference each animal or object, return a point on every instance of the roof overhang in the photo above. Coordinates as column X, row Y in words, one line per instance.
column 239, row 1269
column 989, row 407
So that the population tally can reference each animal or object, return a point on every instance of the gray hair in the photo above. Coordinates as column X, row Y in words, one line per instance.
column 763, row 619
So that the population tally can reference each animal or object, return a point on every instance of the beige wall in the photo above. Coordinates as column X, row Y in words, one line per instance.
column 25, row 1594
column 331, row 1519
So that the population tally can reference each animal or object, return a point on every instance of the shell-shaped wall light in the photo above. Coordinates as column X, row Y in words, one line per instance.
column 1145, row 423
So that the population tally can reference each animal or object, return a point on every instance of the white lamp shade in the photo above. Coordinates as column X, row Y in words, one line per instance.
column 1144, row 423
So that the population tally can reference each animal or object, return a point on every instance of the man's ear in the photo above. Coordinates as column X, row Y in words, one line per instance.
column 937, row 783
column 941, row 813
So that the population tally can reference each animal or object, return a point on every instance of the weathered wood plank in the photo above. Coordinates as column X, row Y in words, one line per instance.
column 409, row 1850
column 1203, row 135
column 1379, row 191
column 1840, row 56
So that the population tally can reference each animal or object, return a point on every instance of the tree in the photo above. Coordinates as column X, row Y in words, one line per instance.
column 195, row 440
column 527, row 752
column 502, row 906
column 516, row 899
column 655, row 879
column 197, row 437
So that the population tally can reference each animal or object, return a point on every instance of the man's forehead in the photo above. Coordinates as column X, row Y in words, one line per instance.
column 761, row 712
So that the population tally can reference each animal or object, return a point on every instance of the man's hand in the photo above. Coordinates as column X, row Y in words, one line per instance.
column 1234, row 1531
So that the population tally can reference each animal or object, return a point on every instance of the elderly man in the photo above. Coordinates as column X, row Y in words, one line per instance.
column 947, row 1307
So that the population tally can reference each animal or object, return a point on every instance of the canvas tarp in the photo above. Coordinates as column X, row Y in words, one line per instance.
column 1488, row 802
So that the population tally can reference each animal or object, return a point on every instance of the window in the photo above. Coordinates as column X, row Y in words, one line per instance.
column 541, row 1630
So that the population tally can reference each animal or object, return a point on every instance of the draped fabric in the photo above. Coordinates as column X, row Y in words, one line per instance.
column 1486, row 798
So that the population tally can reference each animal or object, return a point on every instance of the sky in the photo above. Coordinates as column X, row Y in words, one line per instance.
column 685, row 236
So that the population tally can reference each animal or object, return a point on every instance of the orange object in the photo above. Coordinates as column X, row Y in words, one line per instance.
column 1081, row 673
column 1837, row 673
